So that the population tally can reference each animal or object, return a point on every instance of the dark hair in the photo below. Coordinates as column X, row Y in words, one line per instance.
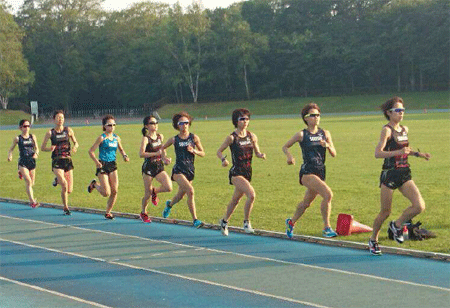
column 237, row 113
column 389, row 104
column 179, row 115
column 23, row 121
column 307, row 108
column 145, row 122
column 105, row 120
column 56, row 112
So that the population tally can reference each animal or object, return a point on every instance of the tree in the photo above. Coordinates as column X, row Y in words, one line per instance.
column 15, row 76
column 186, row 36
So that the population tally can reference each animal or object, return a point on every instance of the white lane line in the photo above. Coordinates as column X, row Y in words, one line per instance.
column 169, row 274
column 53, row 292
column 241, row 255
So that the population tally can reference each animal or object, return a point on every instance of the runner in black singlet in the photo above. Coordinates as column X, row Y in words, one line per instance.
column 394, row 148
column 242, row 143
column 153, row 166
column 314, row 142
column 61, row 149
column 187, row 145
column 28, row 152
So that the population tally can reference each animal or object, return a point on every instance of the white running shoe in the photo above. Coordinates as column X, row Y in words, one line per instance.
column 248, row 227
column 223, row 227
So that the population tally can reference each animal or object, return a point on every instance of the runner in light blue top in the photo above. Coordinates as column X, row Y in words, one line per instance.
column 108, row 148
column 107, row 143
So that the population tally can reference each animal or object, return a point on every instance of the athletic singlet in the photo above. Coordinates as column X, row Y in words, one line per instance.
column 313, row 152
column 241, row 151
column 61, row 140
column 153, row 145
column 184, row 159
column 108, row 148
column 26, row 147
column 397, row 141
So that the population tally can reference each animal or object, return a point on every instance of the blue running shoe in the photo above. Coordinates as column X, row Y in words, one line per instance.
column 198, row 223
column 328, row 232
column 289, row 228
column 167, row 209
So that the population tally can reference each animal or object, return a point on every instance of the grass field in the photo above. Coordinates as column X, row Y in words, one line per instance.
column 353, row 174
column 330, row 104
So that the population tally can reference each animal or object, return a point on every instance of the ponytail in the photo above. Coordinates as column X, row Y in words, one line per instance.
column 145, row 122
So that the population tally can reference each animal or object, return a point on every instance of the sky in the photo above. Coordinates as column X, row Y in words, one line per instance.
column 123, row 4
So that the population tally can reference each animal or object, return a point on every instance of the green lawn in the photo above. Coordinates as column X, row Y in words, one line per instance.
column 333, row 104
column 353, row 174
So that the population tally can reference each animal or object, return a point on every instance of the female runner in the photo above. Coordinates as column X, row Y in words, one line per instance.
column 153, row 167
column 187, row 145
column 62, row 165
column 28, row 153
column 107, row 173
column 242, row 143
column 394, row 148
column 314, row 142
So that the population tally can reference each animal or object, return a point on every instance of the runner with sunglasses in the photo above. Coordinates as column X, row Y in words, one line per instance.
column 62, row 166
column 314, row 142
column 153, row 167
column 242, row 143
column 394, row 148
column 107, row 144
column 28, row 153
column 187, row 145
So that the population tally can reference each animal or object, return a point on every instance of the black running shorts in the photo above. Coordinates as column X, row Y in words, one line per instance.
column 395, row 178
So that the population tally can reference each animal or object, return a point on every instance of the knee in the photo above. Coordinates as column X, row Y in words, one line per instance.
column 384, row 214
column 64, row 185
column 190, row 191
column 168, row 187
column 303, row 205
column 328, row 196
column 106, row 193
column 251, row 196
column 420, row 207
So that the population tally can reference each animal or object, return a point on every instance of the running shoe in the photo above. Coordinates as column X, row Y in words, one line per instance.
column 328, row 232
column 167, row 209
column 289, row 228
column 198, row 223
column 55, row 182
column 144, row 217
column 223, row 227
column 34, row 204
column 67, row 212
column 20, row 175
column 109, row 216
column 248, row 227
column 91, row 186
column 155, row 199
column 374, row 248
column 398, row 232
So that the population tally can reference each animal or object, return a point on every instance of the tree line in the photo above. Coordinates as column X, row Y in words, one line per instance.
column 80, row 56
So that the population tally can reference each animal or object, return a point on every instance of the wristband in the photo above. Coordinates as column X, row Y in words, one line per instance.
column 223, row 158
column 416, row 154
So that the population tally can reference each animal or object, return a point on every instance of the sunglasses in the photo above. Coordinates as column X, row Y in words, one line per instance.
column 244, row 119
column 312, row 115
column 398, row 110
column 183, row 123
column 152, row 123
column 111, row 125
column 26, row 125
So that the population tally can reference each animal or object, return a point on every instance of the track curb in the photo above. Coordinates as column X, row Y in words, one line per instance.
column 272, row 234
